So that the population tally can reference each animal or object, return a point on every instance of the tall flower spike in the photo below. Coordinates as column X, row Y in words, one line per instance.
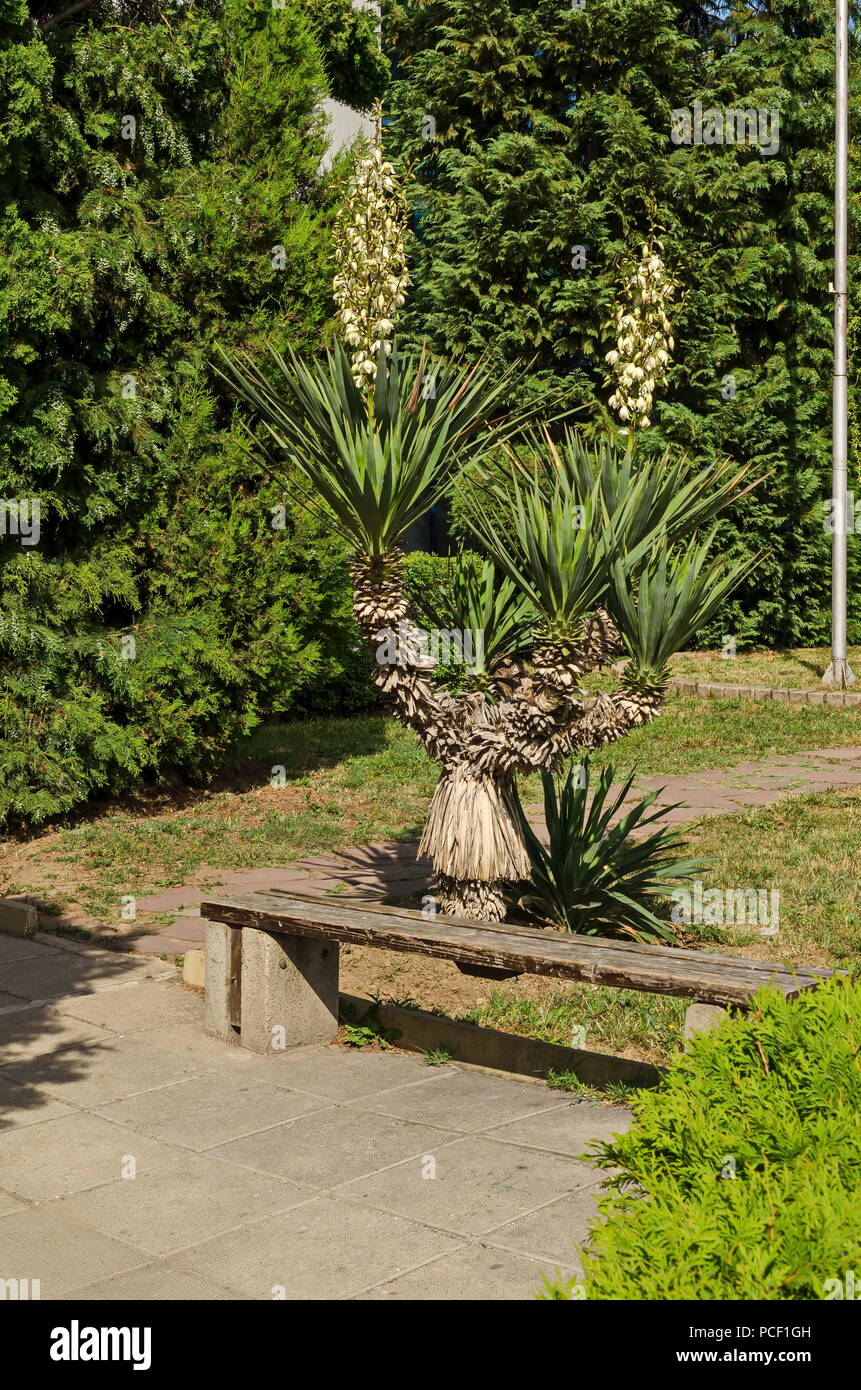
column 371, row 279
column 644, row 341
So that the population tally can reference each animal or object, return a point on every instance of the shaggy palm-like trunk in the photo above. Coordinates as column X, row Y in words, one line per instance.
column 473, row 837
column 538, row 716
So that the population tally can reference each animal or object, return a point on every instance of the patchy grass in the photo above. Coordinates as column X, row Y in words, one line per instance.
column 809, row 849
column 697, row 735
column 611, row 1093
column 437, row 1057
column 321, row 785
column 292, row 791
column 620, row 1021
column 796, row 668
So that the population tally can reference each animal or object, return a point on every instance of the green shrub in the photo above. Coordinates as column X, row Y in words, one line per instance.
column 537, row 186
column 426, row 574
column 773, row 1097
column 126, row 253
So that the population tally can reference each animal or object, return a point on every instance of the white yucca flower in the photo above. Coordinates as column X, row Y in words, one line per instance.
column 372, row 277
column 641, row 356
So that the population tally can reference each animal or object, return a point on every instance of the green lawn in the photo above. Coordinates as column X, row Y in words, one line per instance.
column 796, row 668
column 808, row 848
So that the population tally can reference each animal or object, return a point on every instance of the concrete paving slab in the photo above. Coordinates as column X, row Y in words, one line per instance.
column 752, row 796
column 98, row 1073
column 477, row 1184
column 143, row 1004
column 461, row 1100
column 564, row 1130
column 179, row 1206
column 65, row 973
column 71, row 1153
column 340, row 1075
column 8, row 1204
column 475, row 1272
column 325, row 860
column 293, row 876
column 150, row 944
column 20, row 948
column 331, row 1146
column 322, row 1250
column 33, row 1247
column 31, row 1034
column 555, row 1232
column 210, row 1110
column 25, row 1105
column 155, row 1283
column 188, row 895
column 188, row 1042
column 189, row 929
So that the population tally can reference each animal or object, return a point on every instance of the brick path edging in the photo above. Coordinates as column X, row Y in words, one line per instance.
column 720, row 690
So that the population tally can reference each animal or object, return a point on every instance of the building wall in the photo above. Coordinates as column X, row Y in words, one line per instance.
column 344, row 125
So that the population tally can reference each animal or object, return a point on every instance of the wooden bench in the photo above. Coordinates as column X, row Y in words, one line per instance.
column 272, row 963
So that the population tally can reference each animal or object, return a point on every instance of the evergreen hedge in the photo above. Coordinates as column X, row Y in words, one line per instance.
column 741, row 1173
column 159, row 192
column 539, row 134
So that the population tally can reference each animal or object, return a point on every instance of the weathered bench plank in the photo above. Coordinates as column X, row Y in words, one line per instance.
column 719, row 980
column 672, row 953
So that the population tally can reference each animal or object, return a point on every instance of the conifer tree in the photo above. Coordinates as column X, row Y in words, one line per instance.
column 159, row 187
column 542, row 135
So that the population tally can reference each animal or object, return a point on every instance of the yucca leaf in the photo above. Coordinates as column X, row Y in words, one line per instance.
column 474, row 597
column 377, row 461
column 593, row 877
column 676, row 593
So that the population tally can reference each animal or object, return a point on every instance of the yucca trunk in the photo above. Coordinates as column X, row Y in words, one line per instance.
column 473, row 838
column 473, row 833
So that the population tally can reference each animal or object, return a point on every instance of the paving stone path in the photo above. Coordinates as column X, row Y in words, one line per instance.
column 394, row 871
column 142, row 1159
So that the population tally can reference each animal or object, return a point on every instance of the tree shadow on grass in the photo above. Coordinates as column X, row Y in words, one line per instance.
column 300, row 747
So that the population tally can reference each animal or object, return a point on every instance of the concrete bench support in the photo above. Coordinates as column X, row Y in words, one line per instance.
column 268, row 992
column 289, row 991
column 223, row 963
column 700, row 1017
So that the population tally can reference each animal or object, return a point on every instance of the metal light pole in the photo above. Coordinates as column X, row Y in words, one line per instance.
column 839, row 673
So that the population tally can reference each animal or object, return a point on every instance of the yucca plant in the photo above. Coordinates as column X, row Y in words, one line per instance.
column 380, row 457
column 474, row 598
column 643, row 494
column 569, row 558
column 586, row 556
column 676, row 592
column 593, row 877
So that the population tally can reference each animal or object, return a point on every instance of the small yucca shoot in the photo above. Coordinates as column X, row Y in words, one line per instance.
column 594, row 878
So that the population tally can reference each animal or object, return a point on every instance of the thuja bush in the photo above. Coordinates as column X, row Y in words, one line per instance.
column 539, row 139
column 159, row 189
column 740, row 1176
